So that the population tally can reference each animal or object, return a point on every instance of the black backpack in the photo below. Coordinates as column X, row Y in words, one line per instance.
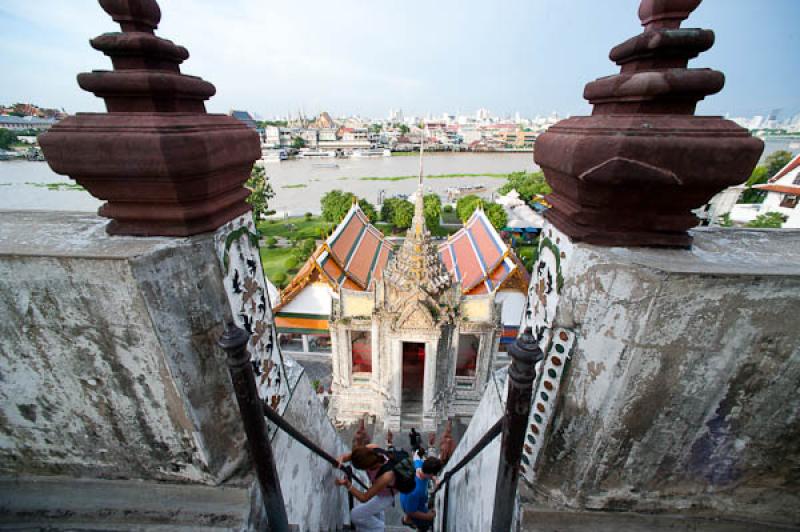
column 401, row 464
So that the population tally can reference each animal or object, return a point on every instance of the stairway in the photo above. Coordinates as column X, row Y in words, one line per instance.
column 59, row 503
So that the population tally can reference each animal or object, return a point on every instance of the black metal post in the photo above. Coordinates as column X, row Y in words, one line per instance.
column 525, row 353
column 445, row 504
column 234, row 342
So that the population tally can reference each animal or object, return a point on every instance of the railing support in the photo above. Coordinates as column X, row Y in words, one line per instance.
column 525, row 353
column 234, row 342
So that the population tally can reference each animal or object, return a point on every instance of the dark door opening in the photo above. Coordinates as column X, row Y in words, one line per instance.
column 413, row 381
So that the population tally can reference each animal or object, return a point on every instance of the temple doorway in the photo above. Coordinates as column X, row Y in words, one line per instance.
column 413, row 381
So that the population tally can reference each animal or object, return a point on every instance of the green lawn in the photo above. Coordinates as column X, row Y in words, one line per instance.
column 274, row 263
column 297, row 227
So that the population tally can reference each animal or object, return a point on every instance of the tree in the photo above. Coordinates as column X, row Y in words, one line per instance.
column 368, row 209
column 751, row 195
column 387, row 209
column 375, row 128
column 271, row 241
column 776, row 160
column 403, row 214
column 308, row 247
column 768, row 220
column 260, row 192
column 404, row 129
column 335, row 205
column 725, row 220
column 298, row 142
column 497, row 215
column 7, row 138
column 762, row 173
column 432, row 210
column 466, row 205
column 527, row 184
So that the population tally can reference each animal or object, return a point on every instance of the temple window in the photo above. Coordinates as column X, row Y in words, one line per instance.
column 319, row 343
column 789, row 201
column 361, row 350
column 467, row 360
column 291, row 341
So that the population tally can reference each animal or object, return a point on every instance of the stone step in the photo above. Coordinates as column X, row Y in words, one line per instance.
column 534, row 520
column 57, row 503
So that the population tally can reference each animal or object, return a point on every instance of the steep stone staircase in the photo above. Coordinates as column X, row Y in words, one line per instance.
column 58, row 503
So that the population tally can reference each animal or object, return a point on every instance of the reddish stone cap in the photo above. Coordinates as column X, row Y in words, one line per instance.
column 163, row 164
column 631, row 173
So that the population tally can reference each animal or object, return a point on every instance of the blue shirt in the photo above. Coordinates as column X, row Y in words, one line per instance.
column 417, row 500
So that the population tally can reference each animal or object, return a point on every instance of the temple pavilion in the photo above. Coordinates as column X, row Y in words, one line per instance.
column 413, row 334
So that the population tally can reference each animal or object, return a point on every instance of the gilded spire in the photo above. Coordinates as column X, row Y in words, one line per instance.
column 418, row 223
column 417, row 264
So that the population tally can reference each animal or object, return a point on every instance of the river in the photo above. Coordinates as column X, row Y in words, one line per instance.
column 299, row 184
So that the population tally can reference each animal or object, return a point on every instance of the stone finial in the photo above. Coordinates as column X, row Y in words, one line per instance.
column 665, row 14
column 389, row 438
column 447, row 445
column 164, row 166
column 631, row 173
column 133, row 15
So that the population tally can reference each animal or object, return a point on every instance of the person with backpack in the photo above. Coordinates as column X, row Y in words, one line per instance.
column 415, row 504
column 388, row 472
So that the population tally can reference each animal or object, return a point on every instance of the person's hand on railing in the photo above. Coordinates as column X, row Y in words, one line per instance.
column 343, row 482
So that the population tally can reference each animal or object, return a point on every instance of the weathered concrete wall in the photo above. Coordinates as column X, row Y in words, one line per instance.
column 313, row 501
column 108, row 356
column 110, row 368
column 682, row 388
column 471, row 498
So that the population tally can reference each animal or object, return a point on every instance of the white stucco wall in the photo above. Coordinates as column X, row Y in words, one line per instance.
column 513, row 307
column 315, row 298
column 471, row 497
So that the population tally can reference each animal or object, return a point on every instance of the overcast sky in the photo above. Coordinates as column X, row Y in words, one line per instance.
column 365, row 57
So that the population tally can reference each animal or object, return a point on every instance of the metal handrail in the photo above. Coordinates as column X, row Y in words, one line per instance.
column 298, row 436
column 485, row 440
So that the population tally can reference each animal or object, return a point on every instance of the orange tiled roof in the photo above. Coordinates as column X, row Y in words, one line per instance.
column 793, row 190
column 477, row 257
column 353, row 257
column 794, row 163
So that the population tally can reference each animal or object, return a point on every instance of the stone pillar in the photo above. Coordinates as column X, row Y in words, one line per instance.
column 669, row 378
column 164, row 166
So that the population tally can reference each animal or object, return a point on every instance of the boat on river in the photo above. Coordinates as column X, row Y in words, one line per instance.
column 453, row 193
column 372, row 152
column 316, row 154
column 273, row 155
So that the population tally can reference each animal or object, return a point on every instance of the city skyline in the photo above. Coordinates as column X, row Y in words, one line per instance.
column 354, row 59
